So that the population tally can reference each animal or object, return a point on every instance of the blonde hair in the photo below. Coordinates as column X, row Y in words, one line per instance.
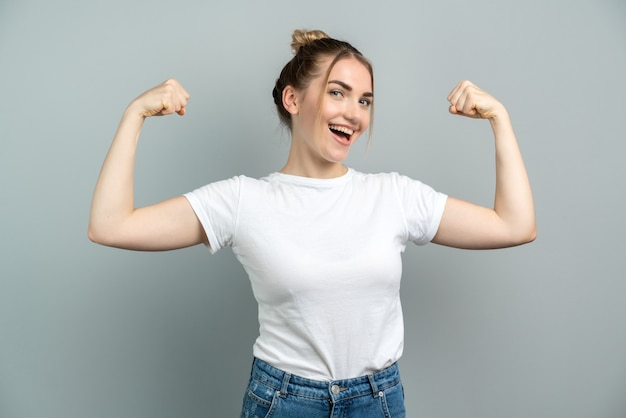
column 310, row 47
column 305, row 37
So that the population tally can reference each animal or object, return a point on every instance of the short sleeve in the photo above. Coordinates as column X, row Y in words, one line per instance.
column 423, row 208
column 216, row 206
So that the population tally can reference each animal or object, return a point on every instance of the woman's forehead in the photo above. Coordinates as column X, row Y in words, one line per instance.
column 352, row 72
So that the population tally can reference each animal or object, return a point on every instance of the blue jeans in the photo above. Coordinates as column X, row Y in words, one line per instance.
column 274, row 393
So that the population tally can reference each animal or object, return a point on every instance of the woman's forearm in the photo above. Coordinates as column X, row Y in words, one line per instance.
column 513, row 195
column 113, row 198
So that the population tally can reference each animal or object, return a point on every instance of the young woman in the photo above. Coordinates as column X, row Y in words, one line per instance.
column 320, row 242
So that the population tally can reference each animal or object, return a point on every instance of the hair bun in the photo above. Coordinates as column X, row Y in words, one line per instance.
column 301, row 38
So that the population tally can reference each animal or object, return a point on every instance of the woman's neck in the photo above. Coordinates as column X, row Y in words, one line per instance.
column 320, row 171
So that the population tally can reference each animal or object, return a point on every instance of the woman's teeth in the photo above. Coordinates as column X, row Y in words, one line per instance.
column 347, row 132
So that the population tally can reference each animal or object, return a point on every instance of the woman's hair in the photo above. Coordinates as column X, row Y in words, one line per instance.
column 310, row 48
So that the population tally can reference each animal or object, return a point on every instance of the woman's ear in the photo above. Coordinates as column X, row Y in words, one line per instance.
column 290, row 100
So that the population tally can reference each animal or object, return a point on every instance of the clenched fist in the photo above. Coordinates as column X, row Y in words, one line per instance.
column 165, row 99
column 467, row 99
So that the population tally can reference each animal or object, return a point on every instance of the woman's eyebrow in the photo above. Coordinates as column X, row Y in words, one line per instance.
column 349, row 88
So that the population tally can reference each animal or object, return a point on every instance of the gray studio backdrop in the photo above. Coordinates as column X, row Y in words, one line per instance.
column 87, row 331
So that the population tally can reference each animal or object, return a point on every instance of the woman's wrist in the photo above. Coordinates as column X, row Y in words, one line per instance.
column 499, row 118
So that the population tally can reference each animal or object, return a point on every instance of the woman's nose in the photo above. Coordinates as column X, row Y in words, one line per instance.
column 351, row 111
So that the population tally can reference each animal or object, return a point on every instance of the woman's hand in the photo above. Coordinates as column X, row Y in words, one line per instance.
column 165, row 99
column 466, row 99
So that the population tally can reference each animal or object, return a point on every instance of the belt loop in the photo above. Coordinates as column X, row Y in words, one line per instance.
column 374, row 386
column 283, row 388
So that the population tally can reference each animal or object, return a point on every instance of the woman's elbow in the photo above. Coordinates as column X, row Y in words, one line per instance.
column 95, row 235
column 526, row 235
column 101, row 234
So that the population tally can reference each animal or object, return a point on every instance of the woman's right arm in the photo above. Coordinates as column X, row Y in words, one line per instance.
column 114, row 220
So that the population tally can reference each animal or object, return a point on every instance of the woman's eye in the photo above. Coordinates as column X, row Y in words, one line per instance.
column 336, row 93
column 366, row 102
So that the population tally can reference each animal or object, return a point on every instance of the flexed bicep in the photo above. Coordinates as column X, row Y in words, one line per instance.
column 470, row 226
column 167, row 225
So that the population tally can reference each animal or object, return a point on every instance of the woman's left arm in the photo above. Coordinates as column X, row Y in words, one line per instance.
column 511, row 221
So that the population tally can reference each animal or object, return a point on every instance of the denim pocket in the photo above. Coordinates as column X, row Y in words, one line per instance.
column 258, row 400
column 393, row 401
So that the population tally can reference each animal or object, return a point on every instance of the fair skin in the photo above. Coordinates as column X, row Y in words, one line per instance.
column 320, row 144
column 511, row 221
column 114, row 220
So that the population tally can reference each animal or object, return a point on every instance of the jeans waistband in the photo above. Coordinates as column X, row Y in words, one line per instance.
column 288, row 384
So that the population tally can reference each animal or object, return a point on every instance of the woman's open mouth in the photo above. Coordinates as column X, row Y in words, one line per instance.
column 342, row 132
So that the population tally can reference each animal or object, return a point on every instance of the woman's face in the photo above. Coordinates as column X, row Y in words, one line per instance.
column 331, row 118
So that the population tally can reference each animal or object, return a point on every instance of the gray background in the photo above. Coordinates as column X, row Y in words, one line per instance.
column 89, row 331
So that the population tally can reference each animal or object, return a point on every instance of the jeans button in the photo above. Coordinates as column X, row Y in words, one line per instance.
column 335, row 389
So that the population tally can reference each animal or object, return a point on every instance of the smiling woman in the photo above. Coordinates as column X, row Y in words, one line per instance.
column 327, row 118
column 321, row 242
column 311, row 48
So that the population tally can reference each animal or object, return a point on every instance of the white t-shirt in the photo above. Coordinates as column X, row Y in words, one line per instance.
column 324, row 261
